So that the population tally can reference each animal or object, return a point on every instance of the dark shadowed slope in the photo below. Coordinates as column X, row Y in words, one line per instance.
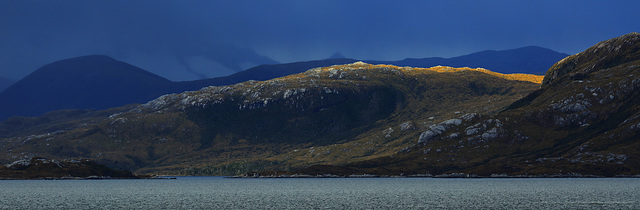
column 529, row 60
column 94, row 82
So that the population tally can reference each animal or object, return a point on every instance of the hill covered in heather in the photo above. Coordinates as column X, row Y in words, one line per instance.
column 329, row 115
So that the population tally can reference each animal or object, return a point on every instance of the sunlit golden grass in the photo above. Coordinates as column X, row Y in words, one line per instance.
column 443, row 69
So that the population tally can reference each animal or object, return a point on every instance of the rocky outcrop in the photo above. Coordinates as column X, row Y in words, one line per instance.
column 606, row 54
column 436, row 130
column 43, row 168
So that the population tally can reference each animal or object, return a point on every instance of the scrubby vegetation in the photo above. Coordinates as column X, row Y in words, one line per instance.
column 329, row 115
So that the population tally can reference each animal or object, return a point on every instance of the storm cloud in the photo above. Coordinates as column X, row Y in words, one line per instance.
column 186, row 40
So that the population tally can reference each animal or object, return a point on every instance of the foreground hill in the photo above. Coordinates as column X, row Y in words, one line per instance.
column 329, row 115
column 584, row 120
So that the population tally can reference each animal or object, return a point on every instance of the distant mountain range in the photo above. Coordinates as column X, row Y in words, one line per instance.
column 529, row 60
column 100, row 82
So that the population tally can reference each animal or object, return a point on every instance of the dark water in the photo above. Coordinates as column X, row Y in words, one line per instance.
column 344, row 193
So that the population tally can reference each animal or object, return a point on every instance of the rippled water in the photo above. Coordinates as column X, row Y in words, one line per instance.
column 339, row 193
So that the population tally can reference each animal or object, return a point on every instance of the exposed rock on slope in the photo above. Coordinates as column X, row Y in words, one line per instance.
column 332, row 115
column 601, row 56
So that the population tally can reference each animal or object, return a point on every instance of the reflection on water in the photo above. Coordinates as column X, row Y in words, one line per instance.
column 339, row 193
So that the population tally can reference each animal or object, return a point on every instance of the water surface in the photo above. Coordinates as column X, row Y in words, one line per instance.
column 332, row 193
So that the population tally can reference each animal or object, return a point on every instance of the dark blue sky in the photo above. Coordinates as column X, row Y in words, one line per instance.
column 185, row 40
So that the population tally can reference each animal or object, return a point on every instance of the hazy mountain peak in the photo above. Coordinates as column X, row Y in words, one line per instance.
column 102, row 64
column 86, row 82
column 336, row 55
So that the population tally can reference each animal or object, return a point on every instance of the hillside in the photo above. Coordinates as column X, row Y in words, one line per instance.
column 54, row 121
column 585, row 120
column 328, row 115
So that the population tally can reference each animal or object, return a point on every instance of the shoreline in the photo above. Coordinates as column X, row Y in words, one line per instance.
column 452, row 175
column 87, row 178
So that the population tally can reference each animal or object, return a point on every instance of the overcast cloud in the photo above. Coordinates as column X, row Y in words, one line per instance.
column 186, row 40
